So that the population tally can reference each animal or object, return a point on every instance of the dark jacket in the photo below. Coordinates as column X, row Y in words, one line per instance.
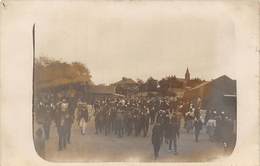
column 227, row 130
column 172, row 129
column 84, row 114
column 197, row 125
column 157, row 135
column 68, row 123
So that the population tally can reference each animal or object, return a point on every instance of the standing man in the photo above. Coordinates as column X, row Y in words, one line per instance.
column 142, row 122
column 173, row 133
column 67, row 126
column 157, row 138
column 226, row 133
column 152, row 114
column 146, row 124
column 197, row 127
column 60, row 120
column 129, row 122
column 62, row 133
column 189, row 120
column 211, row 126
column 119, row 121
column 64, row 105
column 39, row 143
column 83, row 117
column 47, row 123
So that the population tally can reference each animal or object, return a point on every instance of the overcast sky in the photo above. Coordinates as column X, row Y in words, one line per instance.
column 136, row 40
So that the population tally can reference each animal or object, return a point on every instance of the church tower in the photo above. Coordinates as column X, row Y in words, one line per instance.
column 187, row 75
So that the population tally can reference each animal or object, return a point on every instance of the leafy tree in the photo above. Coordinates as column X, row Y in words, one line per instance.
column 49, row 72
column 163, row 86
column 167, row 85
column 151, row 84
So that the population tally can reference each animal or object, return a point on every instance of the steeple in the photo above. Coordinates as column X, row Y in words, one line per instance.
column 187, row 74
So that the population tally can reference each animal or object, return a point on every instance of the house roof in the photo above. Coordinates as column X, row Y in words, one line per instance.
column 125, row 81
column 213, row 93
column 102, row 89
column 223, row 83
column 200, row 85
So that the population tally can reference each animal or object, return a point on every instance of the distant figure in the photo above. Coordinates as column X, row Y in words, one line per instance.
column 197, row 128
column 226, row 133
column 189, row 121
column 157, row 138
column 83, row 118
column 173, row 133
column 39, row 143
column 211, row 126
column 64, row 105
column 120, row 122
column 47, row 123
column 62, row 134
column 67, row 126
column 152, row 114
column 219, row 124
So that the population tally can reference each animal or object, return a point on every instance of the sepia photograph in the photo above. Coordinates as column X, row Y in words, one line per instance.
column 129, row 81
column 141, row 87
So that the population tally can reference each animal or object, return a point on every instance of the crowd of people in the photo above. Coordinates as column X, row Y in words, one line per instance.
column 125, row 116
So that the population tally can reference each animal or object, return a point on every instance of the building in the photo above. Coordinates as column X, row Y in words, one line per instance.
column 95, row 92
column 187, row 79
column 101, row 90
column 126, row 86
column 218, row 94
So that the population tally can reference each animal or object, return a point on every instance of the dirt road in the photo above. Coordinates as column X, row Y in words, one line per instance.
column 95, row 148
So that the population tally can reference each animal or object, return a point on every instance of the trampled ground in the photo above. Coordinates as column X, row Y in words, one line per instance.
column 95, row 148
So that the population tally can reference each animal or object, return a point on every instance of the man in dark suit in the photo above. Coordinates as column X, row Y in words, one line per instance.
column 67, row 126
column 39, row 143
column 62, row 133
column 157, row 137
column 197, row 127
column 172, row 130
